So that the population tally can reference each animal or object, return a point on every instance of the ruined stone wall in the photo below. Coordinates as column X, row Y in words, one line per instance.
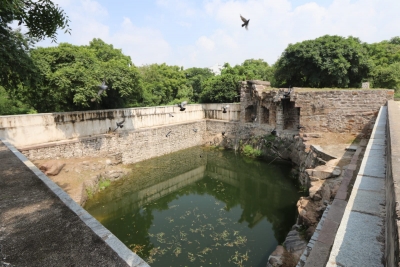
column 339, row 111
column 128, row 146
column 336, row 110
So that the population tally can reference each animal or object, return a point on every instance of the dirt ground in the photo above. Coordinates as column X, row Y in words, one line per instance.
column 78, row 171
column 38, row 229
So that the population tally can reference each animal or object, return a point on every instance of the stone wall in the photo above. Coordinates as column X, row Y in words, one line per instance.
column 340, row 110
column 317, row 110
column 129, row 146
column 34, row 129
column 392, row 226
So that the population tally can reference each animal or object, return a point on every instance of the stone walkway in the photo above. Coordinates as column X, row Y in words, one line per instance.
column 40, row 225
column 360, row 239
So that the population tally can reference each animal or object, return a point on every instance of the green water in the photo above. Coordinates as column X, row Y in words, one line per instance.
column 200, row 207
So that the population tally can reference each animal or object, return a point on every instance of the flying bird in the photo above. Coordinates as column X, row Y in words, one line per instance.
column 103, row 87
column 246, row 22
column 170, row 114
column 182, row 105
column 168, row 134
column 225, row 108
column 120, row 125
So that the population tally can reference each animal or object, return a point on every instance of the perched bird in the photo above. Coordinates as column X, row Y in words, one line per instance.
column 120, row 125
column 103, row 87
column 168, row 134
column 223, row 133
column 273, row 132
column 287, row 94
column 182, row 105
column 225, row 108
column 253, row 118
column 195, row 130
column 246, row 22
column 170, row 114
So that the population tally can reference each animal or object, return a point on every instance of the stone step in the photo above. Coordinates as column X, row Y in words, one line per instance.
column 324, row 172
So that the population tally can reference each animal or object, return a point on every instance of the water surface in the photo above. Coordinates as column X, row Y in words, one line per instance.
column 200, row 207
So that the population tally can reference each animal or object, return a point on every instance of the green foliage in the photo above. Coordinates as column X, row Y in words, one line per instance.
column 249, row 151
column 222, row 88
column 104, row 184
column 385, row 53
column 256, row 69
column 70, row 76
column 163, row 84
column 9, row 106
column 195, row 78
column 328, row 61
column 42, row 18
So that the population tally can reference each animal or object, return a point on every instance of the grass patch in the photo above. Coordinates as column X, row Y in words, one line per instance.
column 249, row 151
column 104, row 184
column 89, row 192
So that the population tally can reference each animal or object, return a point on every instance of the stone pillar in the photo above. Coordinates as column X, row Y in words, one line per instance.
column 279, row 117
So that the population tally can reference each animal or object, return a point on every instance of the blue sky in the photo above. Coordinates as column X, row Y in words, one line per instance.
column 197, row 33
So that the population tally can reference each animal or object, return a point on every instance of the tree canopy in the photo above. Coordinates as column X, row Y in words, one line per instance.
column 163, row 84
column 328, row 61
column 70, row 76
column 195, row 78
column 42, row 18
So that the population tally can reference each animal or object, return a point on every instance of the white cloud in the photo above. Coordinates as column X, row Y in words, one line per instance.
column 205, row 43
column 144, row 45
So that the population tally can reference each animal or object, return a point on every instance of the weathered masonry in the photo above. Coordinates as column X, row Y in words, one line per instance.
column 262, row 109
column 150, row 132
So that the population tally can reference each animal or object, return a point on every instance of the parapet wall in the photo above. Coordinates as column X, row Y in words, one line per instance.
column 35, row 129
column 392, row 222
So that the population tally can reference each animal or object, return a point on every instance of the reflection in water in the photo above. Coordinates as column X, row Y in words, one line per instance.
column 200, row 207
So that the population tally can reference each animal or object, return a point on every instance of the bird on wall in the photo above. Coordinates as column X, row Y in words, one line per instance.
column 300, row 127
column 245, row 22
column 225, row 108
column 195, row 130
column 103, row 87
column 120, row 124
column 273, row 132
column 287, row 94
column 182, row 105
column 170, row 114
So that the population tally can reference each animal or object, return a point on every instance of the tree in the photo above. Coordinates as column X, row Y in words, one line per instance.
column 42, row 18
column 328, row 61
column 163, row 84
column 222, row 88
column 388, row 77
column 256, row 69
column 70, row 76
column 195, row 77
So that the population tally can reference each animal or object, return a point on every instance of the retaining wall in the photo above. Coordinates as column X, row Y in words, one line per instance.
column 33, row 129
column 392, row 226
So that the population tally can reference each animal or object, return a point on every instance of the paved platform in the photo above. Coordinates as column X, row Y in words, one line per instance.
column 40, row 225
column 360, row 239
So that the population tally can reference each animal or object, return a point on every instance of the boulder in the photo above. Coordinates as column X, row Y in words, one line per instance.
column 52, row 167
column 294, row 243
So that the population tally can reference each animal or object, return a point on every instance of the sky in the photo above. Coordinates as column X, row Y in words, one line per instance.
column 197, row 33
